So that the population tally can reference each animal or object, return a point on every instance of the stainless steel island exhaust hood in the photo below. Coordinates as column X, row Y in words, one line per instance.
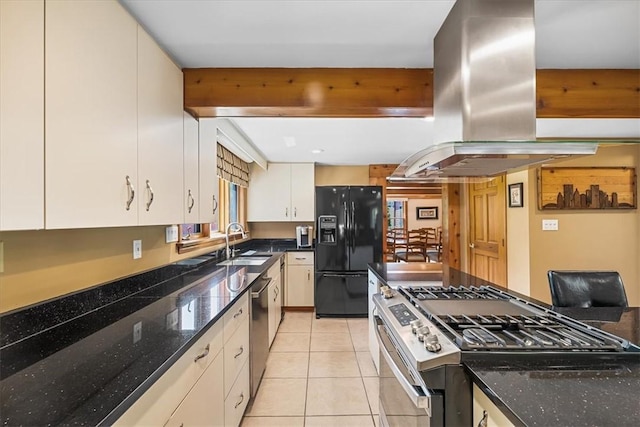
column 485, row 95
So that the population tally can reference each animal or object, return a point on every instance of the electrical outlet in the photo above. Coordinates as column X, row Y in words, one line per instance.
column 1, row 256
column 171, row 233
column 550, row 224
column 137, row 332
column 137, row 249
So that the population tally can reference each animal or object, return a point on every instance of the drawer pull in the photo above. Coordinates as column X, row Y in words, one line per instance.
column 484, row 420
column 203, row 354
column 131, row 191
column 237, row 314
column 241, row 400
column 241, row 351
column 300, row 259
column 150, row 195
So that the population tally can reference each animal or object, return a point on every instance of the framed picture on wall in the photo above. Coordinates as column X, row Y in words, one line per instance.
column 427, row 212
column 515, row 195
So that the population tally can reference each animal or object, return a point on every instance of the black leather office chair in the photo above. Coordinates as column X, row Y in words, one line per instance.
column 587, row 289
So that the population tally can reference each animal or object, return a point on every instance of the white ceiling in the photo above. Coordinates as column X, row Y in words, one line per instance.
column 375, row 33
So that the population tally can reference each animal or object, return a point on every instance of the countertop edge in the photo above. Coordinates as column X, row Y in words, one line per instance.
column 126, row 404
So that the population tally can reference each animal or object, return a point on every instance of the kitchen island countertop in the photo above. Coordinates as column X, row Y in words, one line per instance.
column 593, row 392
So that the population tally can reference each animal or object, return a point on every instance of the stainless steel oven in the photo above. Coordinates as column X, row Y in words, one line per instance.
column 405, row 400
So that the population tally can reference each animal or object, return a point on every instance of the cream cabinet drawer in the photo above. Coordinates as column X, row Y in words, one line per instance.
column 157, row 404
column 236, row 315
column 236, row 352
column 274, row 270
column 237, row 400
column 299, row 258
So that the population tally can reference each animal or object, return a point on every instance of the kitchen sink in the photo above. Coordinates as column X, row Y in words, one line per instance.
column 246, row 260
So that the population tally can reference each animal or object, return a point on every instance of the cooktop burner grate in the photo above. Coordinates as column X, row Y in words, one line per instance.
column 423, row 293
column 484, row 318
column 535, row 332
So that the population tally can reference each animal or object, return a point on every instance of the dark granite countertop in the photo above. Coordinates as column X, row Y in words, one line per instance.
column 548, row 391
column 73, row 360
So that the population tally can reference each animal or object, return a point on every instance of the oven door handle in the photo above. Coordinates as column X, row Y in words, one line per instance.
column 422, row 401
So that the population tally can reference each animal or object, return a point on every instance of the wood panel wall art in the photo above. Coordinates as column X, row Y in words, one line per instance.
column 575, row 188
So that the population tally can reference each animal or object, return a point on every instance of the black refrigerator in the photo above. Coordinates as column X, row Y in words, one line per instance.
column 349, row 236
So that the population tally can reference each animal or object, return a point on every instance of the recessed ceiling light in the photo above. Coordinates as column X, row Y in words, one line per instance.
column 289, row 141
column 428, row 118
column 317, row 151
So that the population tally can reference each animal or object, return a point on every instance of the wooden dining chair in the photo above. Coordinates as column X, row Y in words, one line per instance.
column 414, row 248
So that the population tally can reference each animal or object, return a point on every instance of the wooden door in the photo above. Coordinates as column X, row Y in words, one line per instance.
column 488, row 231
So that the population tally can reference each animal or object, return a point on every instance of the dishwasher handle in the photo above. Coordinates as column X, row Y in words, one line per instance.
column 267, row 281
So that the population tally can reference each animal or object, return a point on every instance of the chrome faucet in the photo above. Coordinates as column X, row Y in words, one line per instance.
column 244, row 235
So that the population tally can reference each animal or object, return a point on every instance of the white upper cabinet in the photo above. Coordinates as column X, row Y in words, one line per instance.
column 208, row 159
column 113, row 122
column 91, row 115
column 303, row 192
column 284, row 192
column 21, row 114
column 191, row 196
column 160, row 135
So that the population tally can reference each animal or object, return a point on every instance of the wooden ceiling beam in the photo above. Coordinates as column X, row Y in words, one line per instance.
column 390, row 92
column 308, row 92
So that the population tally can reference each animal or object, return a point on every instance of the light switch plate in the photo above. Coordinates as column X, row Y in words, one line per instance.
column 171, row 234
column 137, row 249
column 550, row 225
column 137, row 332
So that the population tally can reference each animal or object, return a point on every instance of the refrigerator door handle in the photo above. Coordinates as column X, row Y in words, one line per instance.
column 353, row 221
column 347, row 231
column 344, row 274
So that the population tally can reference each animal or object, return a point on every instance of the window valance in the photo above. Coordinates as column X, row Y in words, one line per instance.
column 232, row 168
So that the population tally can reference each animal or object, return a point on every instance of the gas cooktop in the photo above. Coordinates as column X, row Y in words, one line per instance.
column 485, row 318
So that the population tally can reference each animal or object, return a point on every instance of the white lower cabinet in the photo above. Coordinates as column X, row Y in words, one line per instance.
column 236, row 401
column 208, row 385
column 159, row 402
column 275, row 300
column 236, row 353
column 374, row 287
column 486, row 413
column 300, row 280
column 204, row 405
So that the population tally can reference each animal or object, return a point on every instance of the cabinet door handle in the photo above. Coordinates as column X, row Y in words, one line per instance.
column 131, row 191
column 295, row 212
column 483, row 421
column 215, row 204
column 239, row 353
column 190, row 201
column 150, row 195
column 203, row 354
column 286, row 212
column 308, row 275
column 241, row 400
column 237, row 314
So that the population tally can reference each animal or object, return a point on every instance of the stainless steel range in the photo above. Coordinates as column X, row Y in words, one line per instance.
column 427, row 332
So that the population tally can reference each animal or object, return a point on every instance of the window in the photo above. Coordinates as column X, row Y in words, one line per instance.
column 396, row 214
column 233, row 178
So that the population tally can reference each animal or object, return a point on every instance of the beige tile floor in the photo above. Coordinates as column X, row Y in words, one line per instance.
column 319, row 374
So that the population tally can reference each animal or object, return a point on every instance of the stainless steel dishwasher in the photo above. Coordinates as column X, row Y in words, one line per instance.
column 259, row 330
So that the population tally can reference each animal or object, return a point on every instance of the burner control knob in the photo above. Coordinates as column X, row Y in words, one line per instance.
column 387, row 292
column 423, row 332
column 415, row 324
column 431, row 343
